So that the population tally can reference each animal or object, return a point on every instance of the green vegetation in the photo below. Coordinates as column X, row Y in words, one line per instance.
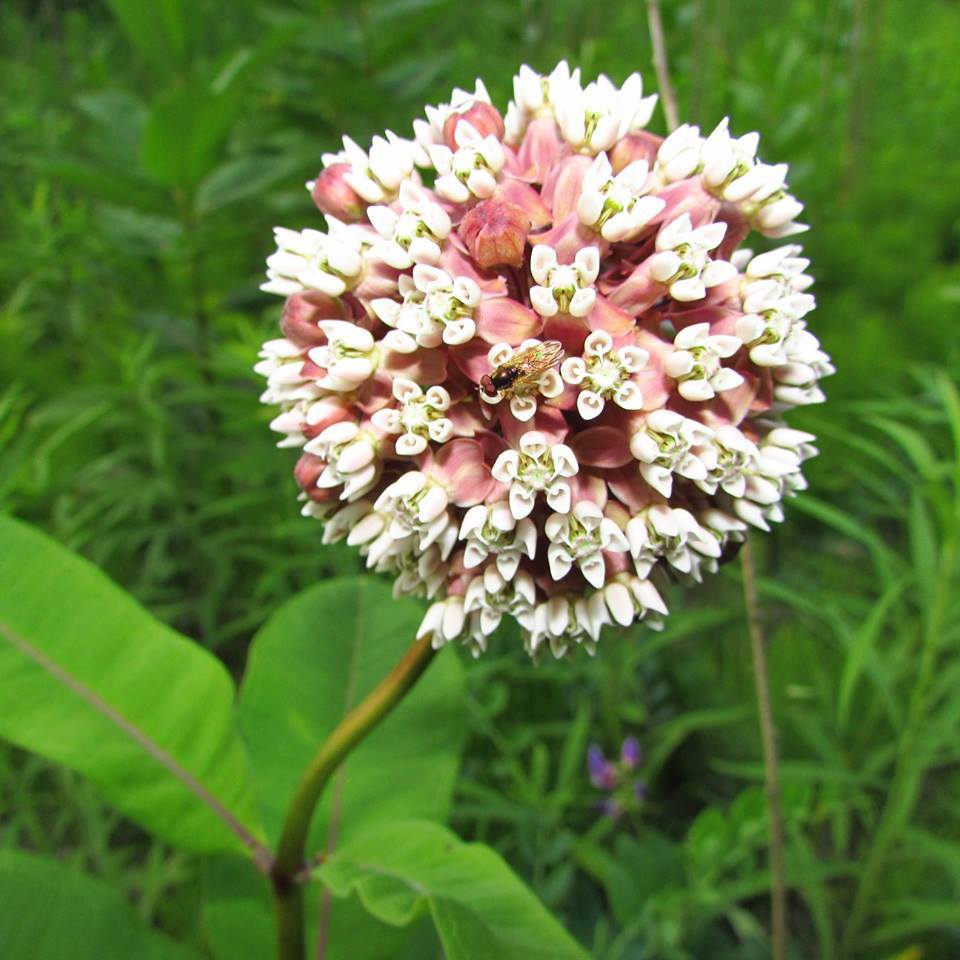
column 146, row 149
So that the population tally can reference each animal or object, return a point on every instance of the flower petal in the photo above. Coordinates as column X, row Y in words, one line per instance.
column 502, row 319
column 461, row 467
column 601, row 447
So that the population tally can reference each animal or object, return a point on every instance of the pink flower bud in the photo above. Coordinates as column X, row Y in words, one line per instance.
column 301, row 313
column 333, row 195
column 307, row 472
column 495, row 232
column 483, row 117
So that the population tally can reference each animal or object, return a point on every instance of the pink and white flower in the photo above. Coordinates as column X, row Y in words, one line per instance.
column 376, row 175
column 580, row 538
column 593, row 118
column 491, row 595
column 351, row 456
column 670, row 533
column 436, row 308
column 311, row 260
column 605, row 373
column 418, row 418
column 666, row 443
column 471, row 171
column 695, row 362
column 561, row 493
column 537, row 467
column 616, row 206
column 414, row 234
column 564, row 288
column 682, row 260
column 494, row 531
column 349, row 356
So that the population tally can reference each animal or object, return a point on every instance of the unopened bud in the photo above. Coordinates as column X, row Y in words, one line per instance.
column 495, row 233
column 483, row 117
column 333, row 195
column 307, row 472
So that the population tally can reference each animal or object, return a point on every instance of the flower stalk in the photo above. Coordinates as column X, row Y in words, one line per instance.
column 291, row 858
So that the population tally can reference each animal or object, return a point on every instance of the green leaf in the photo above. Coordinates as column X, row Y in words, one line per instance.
column 241, row 179
column 885, row 560
column 239, row 924
column 115, row 186
column 184, row 134
column 160, row 31
column 52, row 913
column 316, row 658
column 860, row 648
column 913, row 917
column 237, row 912
column 118, row 118
column 89, row 679
column 480, row 909
column 672, row 733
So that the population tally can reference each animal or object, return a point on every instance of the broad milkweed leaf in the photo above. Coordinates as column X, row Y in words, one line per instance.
column 312, row 662
column 481, row 910
column 89, row 679
column 239, row 924
column 50, row 912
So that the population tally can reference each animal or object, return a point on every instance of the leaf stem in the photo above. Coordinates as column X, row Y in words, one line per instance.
column 291, row 855
column 768, row 734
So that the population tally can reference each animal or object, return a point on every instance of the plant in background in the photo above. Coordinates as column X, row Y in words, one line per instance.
column 617, row 778
column 531, row 366
column 157, row 159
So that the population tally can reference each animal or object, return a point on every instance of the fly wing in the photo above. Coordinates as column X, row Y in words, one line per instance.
column 524, row 369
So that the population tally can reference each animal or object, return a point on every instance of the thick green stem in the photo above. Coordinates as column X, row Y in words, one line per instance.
column 290, row 861
column 768, row 735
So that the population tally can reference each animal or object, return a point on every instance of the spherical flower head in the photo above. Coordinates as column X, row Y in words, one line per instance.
column 530, row 369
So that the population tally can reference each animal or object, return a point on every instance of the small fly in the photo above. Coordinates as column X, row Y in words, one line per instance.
column 521, row 372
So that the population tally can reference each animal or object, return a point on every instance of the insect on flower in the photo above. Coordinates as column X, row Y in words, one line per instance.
column 522, row 370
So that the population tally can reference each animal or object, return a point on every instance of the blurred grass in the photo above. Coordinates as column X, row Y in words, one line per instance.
column 147, row 149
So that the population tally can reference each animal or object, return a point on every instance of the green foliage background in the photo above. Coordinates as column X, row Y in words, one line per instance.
column 147, row 148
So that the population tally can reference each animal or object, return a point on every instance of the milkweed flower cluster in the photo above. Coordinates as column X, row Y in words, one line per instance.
column 563, row 494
